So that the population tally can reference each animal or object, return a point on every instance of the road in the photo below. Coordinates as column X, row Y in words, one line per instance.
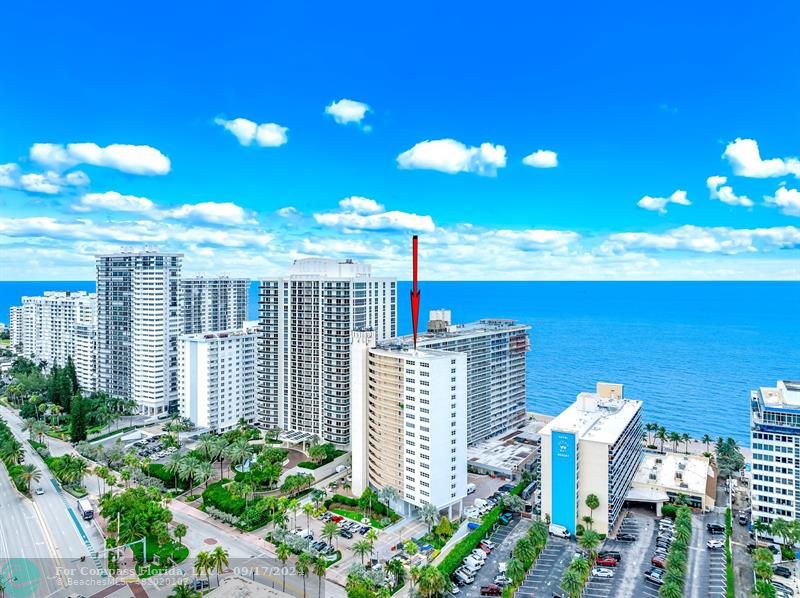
column 69, row 536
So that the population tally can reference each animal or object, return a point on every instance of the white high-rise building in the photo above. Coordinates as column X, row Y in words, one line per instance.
column 209, row 304
column 409, row 422
column 217, row 385
column 138, row 323
column 48, row 328
column 305, row 323
column 496, row 352
column 85, row 358
column 594, row 447
column 775, row 442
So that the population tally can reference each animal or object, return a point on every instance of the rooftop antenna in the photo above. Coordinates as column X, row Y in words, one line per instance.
column 414, row 291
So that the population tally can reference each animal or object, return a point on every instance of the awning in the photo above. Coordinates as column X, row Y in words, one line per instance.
column 646, row 495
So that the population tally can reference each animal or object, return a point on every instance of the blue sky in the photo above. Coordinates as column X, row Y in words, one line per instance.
column 633, row 106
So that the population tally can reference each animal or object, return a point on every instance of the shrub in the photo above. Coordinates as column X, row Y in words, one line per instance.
column 669, row 510
column 217, row 496
column 159, row 472
column 453, row 560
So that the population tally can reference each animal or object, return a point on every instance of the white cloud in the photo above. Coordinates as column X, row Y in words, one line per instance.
column 287, row 212
column 541, row 159
column 451, row 156
column 49, row 182
column 347, row 111
column 392, row 220
column 134, row 159
column 113, row 201
column 708, row 239
column 361, row 205
column 225, row 213
column 788, row 200
column 719, row 190
column 247, row 132
column 745, row 159
column 659, row 204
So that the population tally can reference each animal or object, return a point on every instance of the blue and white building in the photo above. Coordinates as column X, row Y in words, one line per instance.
column 775, row 442
column 592, row 447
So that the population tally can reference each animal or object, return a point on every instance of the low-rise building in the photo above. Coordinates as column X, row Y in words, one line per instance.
column 775, row 442
column 217, row 378
column 663, row 478
column 593, row 447
column 408, row 421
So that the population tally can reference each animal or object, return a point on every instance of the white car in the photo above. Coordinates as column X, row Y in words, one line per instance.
column 471, row 513
column 478, row 554
column 714, row 544
column 602, row 572
column 39, row 491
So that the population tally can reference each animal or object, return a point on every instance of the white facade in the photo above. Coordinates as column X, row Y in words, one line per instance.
column 305, row 322
column 593, row 447
column 411, row 419
column 775, row 442
column 209, row 304
column 218, row 378
column 85, row 358
column 138, row 323
column 49, row 328
column 496, row 352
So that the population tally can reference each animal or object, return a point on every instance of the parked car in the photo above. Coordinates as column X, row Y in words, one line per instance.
column 491, row 590
column 199, row 583
column 659, row 561
column 488, row 543
column 502, row 579
column 781, row 587
column 626, row 537
column 505, row 518
column 655, row 575
column 602, row 572
column 742, row 518
column 606, row 561
column 345, row 533
column 614, row 554
column 479, row 554
column 782, row 571
column 715, row 528
column 39, row 491
column 558, row 530
column 326, row 516
column 715, row 544
column 463, row 576
column 336, row 518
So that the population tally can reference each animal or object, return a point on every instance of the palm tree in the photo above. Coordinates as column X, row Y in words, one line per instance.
column 674, row 438
column 670, row 590
column 182, row 590
column 413, row 574
column 219, row 560
column 685, row 439
column 707, row 439
column 30, row 474
column 319, row 567
column 203, row 564
column 592, row 502
column 431, row 581
column 388, row 494
column 661, row 434
column 515, row 570
column 283, row 552
column 538, row 534
column 132, row 528
column 361, row 548
column 589, row 541
column 396, row 568
column 173, row 466
column 238, row 452
column 651, row 427
column 429, row 514
column 180, row 532
column 190, row 469
column 27, row 426
column 303, row 567
column 572, row 582
column 524, row 549
column 760, row 527
column 330, row 531
column 764, row 589
column 39, row 429
column 780, row 527
column 763, row 569
column 308, row 509
column 292, row 507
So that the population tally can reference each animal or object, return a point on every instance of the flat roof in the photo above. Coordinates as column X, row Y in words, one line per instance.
column 218, row 334
column 482, row 326
column 241, row 587
column 594, row 417
column 688, row 474
column 421, row 353
column 785, row 395
column 508, row 452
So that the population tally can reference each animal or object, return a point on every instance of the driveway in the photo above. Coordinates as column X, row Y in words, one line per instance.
column 544, row 578
column 504, row 537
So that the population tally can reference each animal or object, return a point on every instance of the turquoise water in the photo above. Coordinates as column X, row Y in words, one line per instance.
column 692, row 351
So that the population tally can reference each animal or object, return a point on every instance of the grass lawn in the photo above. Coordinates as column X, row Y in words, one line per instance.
column 169, row 550
column 358, row 516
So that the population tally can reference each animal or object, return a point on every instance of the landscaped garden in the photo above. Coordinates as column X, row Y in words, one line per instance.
column 369, row 506
column 320, row 454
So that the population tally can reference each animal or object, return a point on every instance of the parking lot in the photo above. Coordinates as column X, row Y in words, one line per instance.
column 505, row 536
column 544, row 577
column 152, row 448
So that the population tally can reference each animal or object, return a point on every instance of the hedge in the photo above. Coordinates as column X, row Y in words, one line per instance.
column 158, row 471
column 378, row 508
column 218, row 496
column 728, row 556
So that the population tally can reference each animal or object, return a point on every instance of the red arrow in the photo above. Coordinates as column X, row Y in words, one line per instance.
column 414, row 293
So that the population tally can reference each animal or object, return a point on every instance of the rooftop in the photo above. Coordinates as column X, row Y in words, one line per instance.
column 421, row 353
column 453, row 331
column 508, row 453
column 219, row 334
column 597, row 416
column 785, row 395
column 688, row 474
column 241, row 587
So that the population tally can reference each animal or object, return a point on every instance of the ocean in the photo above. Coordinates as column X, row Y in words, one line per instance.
column 692, row 351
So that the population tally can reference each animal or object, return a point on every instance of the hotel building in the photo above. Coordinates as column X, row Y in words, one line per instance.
column 209, row 304
column 592, row 447
column 138, row 323
column 409, row 427
column 217, row 385
column 775, row 442
column 305, row 323
column 496, row 351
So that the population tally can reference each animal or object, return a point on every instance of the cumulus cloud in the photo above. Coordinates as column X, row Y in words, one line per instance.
column 707, row 239
column 788, row 200
column 362, row 205
column 49, row 182
column 451, row 156
column 659, row 204
column 226, row 213
column 719, row 190
column 287, row 212
column 392, row 220
column 541, row 159
column 249, row 132
column 347, row 111
column 133, row 159
column 113, row 201
column 745, row 158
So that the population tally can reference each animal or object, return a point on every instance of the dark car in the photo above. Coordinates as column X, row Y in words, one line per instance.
column 782, row 571
column 626, row 537
column 655, row 575
column 715, row 528
column 606, row 561
column 199, row 584
column 345, row 533
column 505, row 518
column 614, row 554
column 659, row 561
column 363, row 529
column 506, row 488
column 491, row 590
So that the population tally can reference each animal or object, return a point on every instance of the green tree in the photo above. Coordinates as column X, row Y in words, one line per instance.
column 218, row 560
column 431, row 581
column 303, row 566
column 707, row 440
column 515, row 570
column 319, row 568
column 180, row 532
column 592, row 502
column 428, row 513
column 572, row 582
column 29, row 473
column 361, row 548
column 283, row 552
column 330, row 531
column 77, row 430
column 670, row 590
column 590, row 540
column 203, row 564
column 764, row 589
column 661, row 434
